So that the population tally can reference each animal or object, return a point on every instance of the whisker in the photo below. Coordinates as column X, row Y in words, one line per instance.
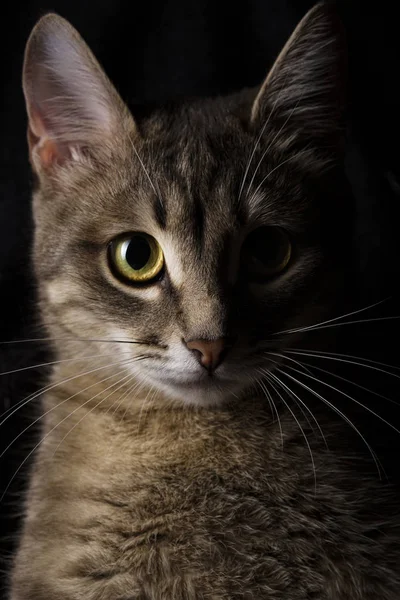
column 270, row 146
column 46, row 389
column 157, row 193
column 141, row 408
column 349, row 314
column 122, row 397
column 151, row 396
column 154, row 160
column 138, row 386
column 74, row 339
column 375, row 320
column 343, row 416
column 361, row 387
column 274, row 377
column 56, row 362
column 253, row 152
column 94, row 408
column 332, row 387
column 272, row 171
column 350, row 362
column 117, row 403
column 323, row 353
column 113, row 405
column 41, row 441
column 273, row 406
column 54, row 408
column 302, row 403
column 288, row 358
column 256, row 146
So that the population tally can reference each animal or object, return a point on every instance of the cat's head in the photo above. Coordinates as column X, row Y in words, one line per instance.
column 205, row 232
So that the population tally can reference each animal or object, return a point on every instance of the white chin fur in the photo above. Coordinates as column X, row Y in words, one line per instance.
column 199, row 394
column 189, row 384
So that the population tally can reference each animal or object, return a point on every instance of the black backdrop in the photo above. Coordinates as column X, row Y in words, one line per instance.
column 159, row 50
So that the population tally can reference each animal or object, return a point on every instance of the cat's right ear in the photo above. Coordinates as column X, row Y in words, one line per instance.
column 72, row 106
column 304, row 94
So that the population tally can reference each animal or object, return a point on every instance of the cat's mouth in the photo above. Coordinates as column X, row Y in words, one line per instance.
column 204, row 388
column 179, row 376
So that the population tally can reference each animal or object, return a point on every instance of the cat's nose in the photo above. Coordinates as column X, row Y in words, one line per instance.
column 209, row 353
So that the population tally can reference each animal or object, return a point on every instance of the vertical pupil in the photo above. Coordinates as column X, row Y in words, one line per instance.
column 138, row 253
column 268, row 246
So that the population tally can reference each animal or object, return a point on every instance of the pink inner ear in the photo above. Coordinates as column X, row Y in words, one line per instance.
column 47, row 152
column 40, row 144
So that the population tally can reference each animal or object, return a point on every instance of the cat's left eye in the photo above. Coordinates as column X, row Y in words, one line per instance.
column 266, row 252
column 136, row 258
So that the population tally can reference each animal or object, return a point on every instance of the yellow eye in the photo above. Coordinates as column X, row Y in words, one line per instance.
column 136, row 257
column 266, row 252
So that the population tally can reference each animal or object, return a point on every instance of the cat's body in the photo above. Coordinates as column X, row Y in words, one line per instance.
column 186, row 504
column 163, row 470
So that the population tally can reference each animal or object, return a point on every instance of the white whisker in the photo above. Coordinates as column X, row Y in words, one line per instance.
column 138, row 386
column 40, row 442
column 149, row 404
column 342, row 415
column 349, row 314
column 293, row 157
column 122, row 397
column 272, row 376
column 47, row 388
column 346, row 361
column 73, row 339
column 288, row 358
column 361, row 387
column 141, row 408
column 56, row 362
column 87, row 402
column 272, row 405
column 375, row 320
column 302, row 403
column 157, row 193
column 257, row 144
column 332, row 387
column 271, row 143
column 60, row 404
column 253, row 152
column 294, row 396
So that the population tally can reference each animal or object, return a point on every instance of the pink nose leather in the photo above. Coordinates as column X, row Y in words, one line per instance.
column 207, row 352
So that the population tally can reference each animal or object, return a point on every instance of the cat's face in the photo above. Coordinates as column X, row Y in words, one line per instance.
column 204, row 233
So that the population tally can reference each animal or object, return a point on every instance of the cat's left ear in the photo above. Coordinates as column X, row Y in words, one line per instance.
column 72, row 106
column 303, row 96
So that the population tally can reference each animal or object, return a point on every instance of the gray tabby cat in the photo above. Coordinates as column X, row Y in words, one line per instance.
column 178, row 258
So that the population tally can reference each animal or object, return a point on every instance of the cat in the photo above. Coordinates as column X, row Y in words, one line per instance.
column 180, row 257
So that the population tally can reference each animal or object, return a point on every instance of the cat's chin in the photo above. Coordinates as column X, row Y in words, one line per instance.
column 210, row 392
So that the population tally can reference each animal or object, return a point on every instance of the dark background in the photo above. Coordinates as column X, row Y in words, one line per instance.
column 157, row 51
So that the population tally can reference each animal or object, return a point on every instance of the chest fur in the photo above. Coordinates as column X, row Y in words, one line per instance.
column 201, row 506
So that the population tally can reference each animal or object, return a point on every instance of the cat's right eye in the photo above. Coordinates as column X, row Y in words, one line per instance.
column 136, row 258
column 266, row 252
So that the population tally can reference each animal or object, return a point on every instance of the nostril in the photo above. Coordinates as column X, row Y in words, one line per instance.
column 198, row 354
column 209, row 353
